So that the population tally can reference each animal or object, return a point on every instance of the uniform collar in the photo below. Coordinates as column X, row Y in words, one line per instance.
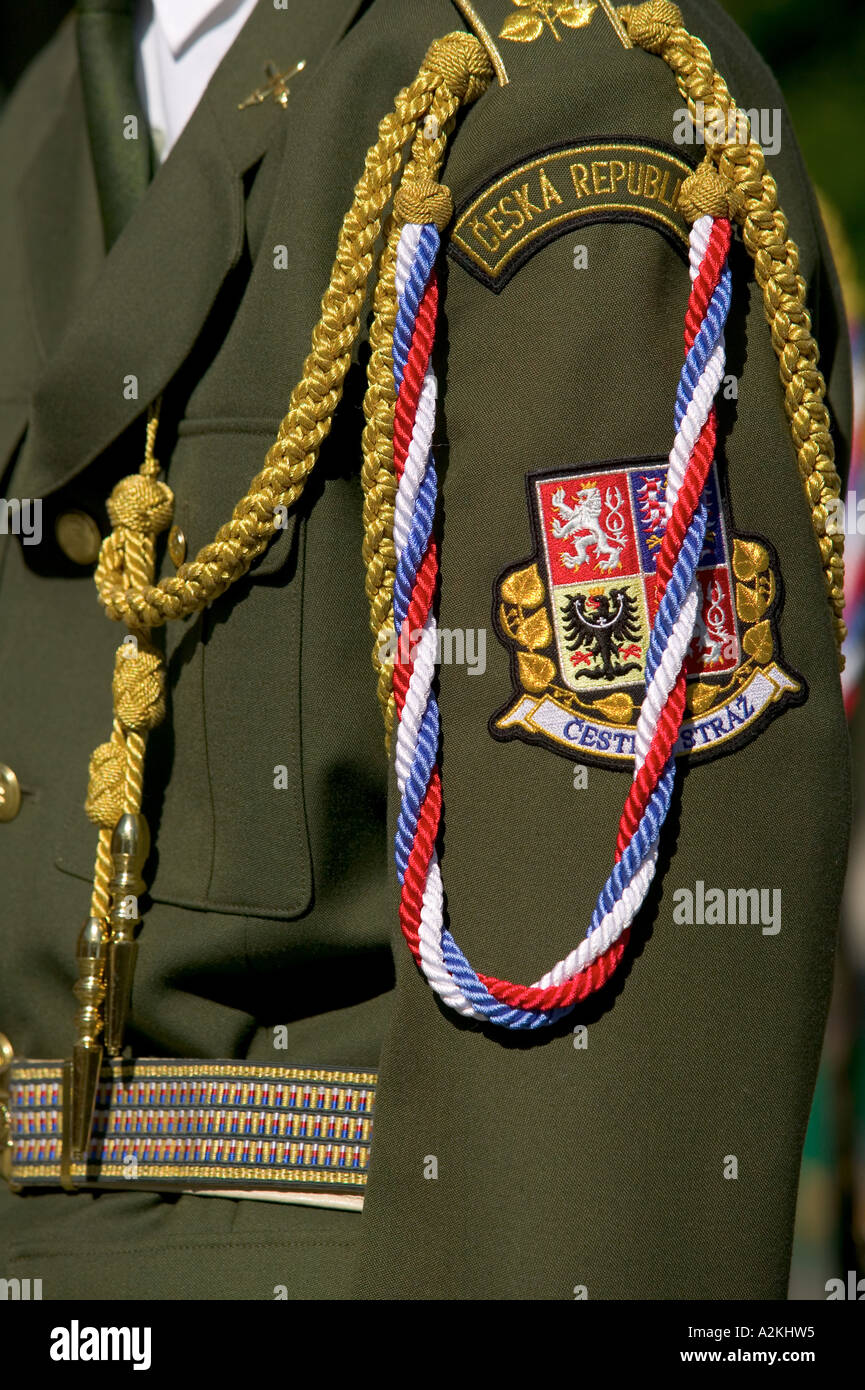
column 182, row 20
column 142, row 309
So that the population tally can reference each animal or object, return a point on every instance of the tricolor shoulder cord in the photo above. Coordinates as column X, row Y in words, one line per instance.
column 732, row 182
column 422, row 914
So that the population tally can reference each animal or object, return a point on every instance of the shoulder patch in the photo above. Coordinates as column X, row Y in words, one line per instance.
column 577, row 614
column 531, row 203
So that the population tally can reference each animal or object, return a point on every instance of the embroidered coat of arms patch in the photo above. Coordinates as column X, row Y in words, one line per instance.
column 578, row 613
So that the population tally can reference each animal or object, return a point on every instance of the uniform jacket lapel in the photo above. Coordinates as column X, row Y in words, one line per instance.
column 138, row 311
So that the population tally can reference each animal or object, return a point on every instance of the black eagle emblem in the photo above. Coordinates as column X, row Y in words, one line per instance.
column 602, row 624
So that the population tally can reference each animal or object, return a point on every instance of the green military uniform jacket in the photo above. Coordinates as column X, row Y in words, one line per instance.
column 557, row 1167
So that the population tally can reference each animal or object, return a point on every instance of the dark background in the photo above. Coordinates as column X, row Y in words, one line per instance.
column 817, row 51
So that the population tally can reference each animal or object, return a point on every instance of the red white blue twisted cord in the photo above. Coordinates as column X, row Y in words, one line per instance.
column 422, row 914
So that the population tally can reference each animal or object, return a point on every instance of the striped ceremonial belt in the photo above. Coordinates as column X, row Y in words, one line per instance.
column 291, row 1134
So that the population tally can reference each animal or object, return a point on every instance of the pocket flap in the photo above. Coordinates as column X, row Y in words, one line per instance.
column 213, row 463
column 13, row 426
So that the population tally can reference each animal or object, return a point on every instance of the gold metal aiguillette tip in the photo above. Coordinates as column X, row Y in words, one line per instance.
column 89, row 990
column 7, row 1056
column 130, row 846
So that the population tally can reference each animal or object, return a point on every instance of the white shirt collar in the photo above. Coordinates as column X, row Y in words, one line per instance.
column 179, row 20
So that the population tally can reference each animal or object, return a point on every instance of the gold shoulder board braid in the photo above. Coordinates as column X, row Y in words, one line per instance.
column 455, row 71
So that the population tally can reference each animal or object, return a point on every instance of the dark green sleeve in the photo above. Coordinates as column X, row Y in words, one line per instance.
column 662, row 1159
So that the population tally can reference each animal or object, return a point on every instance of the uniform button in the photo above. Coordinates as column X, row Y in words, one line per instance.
column 176, row 546
column 78, row 537
column 10, row 794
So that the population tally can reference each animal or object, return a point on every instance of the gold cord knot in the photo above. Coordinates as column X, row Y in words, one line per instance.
column 423, row 200
column 461, row 61
column 139, row 689
column 142, row 505
column 106, row 777
column 705, row 193
column 650, row 25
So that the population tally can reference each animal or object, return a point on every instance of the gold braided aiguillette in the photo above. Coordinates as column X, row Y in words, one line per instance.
column 455, row 71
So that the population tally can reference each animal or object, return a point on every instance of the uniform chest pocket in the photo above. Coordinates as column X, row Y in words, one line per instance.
column 13, row 423
column 224, row 779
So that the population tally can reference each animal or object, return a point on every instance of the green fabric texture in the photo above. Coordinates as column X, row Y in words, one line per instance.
column 121, row 155
column 558, row 1167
